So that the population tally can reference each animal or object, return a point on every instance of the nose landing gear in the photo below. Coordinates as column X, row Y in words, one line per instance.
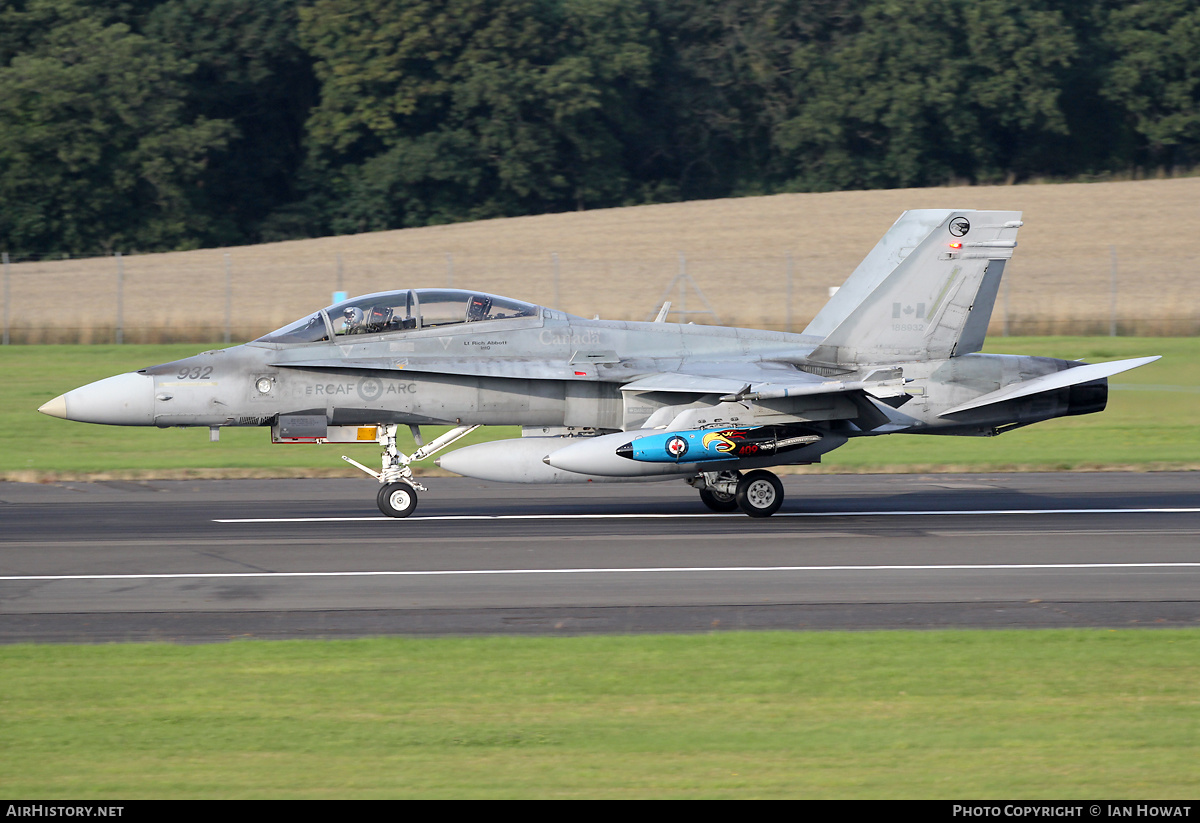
column 398, row 497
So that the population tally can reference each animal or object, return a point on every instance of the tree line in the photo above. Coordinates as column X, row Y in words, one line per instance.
column 150, row 125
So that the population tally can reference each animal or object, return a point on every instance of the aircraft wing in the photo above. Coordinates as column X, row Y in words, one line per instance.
column 755, row 381
column 766, row 381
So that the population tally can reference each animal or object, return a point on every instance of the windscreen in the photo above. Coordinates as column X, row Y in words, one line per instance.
column 309, row 329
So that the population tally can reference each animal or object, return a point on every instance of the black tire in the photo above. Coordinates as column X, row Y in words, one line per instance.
column 397, row 499
column 719, row 501
column 759, row 494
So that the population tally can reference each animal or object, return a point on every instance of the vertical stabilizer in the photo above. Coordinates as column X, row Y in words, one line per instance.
column 925, row 292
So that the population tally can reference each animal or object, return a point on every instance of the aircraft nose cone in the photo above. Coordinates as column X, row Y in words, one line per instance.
column 56, row 407
column 124, row 400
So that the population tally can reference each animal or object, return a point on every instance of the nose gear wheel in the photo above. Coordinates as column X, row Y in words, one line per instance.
column 397, row 499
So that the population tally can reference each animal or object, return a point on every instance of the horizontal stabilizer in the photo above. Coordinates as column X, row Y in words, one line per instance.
column 1050, row 382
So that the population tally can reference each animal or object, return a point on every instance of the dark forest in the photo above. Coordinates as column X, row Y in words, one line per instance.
column 177, row 124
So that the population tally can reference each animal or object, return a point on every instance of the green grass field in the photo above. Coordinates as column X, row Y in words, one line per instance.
column 1015, row 715
column 1154, row 423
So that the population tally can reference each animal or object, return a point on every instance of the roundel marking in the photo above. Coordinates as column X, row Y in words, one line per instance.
column 677, row 447
column 369, row 388
column 959, row 226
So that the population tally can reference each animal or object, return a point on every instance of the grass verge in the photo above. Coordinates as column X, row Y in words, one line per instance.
column 945, row 714
column 1152, row 422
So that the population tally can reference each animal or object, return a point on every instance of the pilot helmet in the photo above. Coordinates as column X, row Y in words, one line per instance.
column 353, row 317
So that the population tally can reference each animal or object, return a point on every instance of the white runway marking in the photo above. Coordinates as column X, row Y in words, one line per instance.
column 631, row 570
column 976, row 512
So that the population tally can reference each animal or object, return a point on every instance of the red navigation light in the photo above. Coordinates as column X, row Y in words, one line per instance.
column 956, row 245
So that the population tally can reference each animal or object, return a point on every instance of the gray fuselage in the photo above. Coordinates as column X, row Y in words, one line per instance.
column 552, row 370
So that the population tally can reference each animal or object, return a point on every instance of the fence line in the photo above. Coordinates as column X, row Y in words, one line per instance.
column 216, row 295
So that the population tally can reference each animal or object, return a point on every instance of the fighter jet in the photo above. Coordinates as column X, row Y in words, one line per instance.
column 896, row 349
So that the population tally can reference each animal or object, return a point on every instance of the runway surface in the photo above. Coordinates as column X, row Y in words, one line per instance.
column 197, row 561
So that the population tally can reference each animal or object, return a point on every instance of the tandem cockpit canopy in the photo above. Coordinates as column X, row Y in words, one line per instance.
column 397, row 311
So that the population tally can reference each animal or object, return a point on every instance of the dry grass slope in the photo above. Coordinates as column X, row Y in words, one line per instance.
column 619, row 262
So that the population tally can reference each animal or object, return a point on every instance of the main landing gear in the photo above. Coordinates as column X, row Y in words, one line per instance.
column 758, row 493
column 398, row 495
